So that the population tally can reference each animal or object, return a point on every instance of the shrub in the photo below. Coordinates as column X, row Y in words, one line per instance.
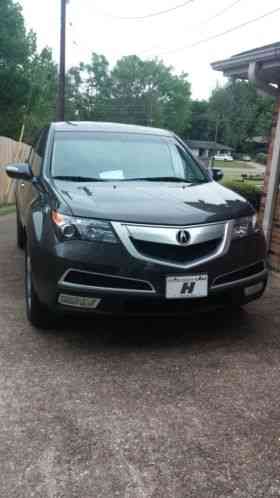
column 261, row 158
column 249, row 191
column 236, row 156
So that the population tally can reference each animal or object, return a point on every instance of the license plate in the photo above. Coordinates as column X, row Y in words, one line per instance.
column 187, row 287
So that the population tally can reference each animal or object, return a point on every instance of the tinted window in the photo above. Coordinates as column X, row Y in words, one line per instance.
column 117, row 156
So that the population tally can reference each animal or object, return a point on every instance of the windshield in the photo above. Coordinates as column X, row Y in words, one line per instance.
column 96, row 156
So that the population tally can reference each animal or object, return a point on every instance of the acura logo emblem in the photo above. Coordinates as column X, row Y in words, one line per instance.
column 183, row 237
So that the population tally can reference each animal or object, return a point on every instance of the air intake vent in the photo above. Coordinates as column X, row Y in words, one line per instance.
column 249, row 271
column 81, row 278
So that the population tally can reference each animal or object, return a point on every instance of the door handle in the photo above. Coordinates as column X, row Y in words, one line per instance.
column 22, row 185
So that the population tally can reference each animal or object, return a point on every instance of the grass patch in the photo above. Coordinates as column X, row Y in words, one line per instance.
column 11, row 208
column 233, row 179
column 233, row 165
column 236, row 174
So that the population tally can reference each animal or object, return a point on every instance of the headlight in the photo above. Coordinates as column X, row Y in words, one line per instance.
column 71, row 228
column 245, row 226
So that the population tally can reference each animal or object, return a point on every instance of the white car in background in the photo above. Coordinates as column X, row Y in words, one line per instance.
column 223, row 157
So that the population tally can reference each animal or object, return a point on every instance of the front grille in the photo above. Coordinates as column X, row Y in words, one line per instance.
column 249, row 271
column 105, row 281
column 176, row 254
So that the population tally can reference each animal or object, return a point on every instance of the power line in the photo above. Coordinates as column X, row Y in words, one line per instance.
column 152, row 14
column 206, row 21
column 222, row 12
column 223, row 33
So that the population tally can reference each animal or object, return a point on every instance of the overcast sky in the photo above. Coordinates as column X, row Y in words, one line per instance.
column 90, row 28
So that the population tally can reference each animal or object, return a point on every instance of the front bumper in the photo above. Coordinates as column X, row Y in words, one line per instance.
column 229, row 275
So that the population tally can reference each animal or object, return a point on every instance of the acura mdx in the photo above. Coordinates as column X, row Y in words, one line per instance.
column 124, row 219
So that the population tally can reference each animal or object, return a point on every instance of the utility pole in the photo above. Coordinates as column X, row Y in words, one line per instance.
column 60, row 109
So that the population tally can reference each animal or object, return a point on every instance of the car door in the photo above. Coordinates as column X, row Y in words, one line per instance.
column 27, row 189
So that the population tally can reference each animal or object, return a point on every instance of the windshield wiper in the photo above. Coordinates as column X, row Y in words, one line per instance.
column 174, row 179
column 158, row 179
column 78, row 178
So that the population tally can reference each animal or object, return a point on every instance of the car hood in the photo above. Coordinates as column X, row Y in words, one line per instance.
column 153, row 202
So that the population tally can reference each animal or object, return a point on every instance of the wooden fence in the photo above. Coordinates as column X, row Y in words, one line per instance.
column 10, row 152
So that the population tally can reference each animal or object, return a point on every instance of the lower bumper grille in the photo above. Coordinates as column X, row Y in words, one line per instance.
column 100, row 281
column 174, row 253
column 249, row 271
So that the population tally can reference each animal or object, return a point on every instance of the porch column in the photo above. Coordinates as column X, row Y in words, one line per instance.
column 273, row 182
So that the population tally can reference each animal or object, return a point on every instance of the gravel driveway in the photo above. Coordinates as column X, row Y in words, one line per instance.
column 173, row 408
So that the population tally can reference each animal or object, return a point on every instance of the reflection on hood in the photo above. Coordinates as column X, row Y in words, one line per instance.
column 154, row 203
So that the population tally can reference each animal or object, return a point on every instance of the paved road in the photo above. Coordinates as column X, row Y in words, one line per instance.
column 138, row 408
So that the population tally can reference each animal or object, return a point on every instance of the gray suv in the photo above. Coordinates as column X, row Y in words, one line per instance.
column 123, row 219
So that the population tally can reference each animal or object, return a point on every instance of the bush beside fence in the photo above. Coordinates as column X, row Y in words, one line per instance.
column 10, row 152
column 249, row 191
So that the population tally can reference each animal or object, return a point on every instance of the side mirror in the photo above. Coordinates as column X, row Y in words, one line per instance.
column 21, row 171
column 217, row 174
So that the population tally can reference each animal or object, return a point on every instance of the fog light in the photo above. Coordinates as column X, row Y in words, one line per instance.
column 254, row 289
column 79, row 301
column 69, row 231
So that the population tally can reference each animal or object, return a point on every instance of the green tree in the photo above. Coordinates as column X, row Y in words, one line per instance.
column 134, row 91
column 16, row 46
column 237, row 113
column 74, row 106
column 152, row 93
column 199, row 120
column 89, row 89
column 41, row 100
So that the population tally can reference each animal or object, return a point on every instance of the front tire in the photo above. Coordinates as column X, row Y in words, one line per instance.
column 37, row 314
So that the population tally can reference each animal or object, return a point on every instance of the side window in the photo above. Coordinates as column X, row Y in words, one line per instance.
column 38, row 152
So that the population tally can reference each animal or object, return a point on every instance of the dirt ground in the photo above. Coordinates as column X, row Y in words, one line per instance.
column 130, row 408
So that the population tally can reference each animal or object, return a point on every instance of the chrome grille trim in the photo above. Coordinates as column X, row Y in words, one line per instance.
column 240, row 268
column 164, row 235
column 167, row 234
column 62, row 282
column 240, row 281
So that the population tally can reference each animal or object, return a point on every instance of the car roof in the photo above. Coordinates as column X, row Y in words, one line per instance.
column 108, row 127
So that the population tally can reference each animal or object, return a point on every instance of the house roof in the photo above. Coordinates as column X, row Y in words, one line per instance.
column 203, row 144
column 268, row 58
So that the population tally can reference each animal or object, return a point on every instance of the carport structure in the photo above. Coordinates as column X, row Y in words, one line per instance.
column 262, row 66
